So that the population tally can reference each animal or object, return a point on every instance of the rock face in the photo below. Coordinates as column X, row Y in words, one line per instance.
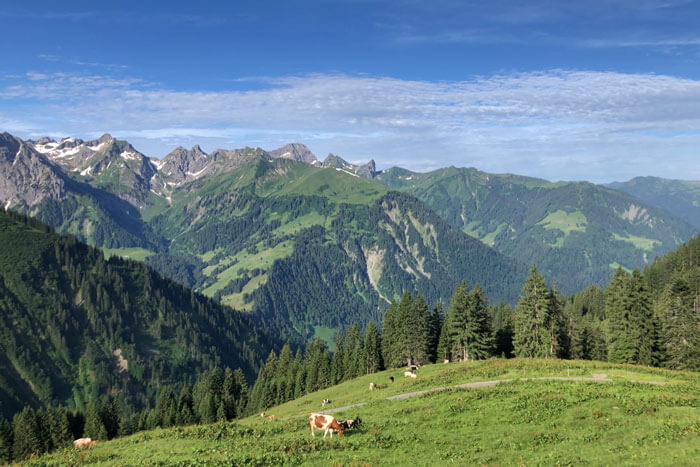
column 183, row 165
column 295, row 151
column 27, row 176
column 105, row 162
column 368, row 170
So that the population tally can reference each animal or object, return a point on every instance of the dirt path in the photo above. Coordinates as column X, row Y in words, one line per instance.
column 481, row 384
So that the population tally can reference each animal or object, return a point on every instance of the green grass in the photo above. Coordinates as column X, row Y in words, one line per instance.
column 521, row 422
column 490, row 239
column 327, row 334
column 138, row 254
column 236, row 300
column 646, row 244
column 244, row 260
column 565, row 221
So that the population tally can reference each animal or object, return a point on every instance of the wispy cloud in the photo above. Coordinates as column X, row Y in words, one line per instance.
column 556, row 124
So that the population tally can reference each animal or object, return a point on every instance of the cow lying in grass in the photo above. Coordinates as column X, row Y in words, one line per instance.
column 410, row 374
column 325, row 423
column 80, row 442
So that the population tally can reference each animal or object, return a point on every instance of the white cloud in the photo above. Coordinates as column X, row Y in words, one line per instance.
column 554, row 124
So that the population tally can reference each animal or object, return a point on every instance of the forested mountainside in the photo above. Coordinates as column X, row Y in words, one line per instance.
column 305, row 247
column 275, row 232
column 576, row 232
column 74, row 325
column 305, row 244
column 679, row 197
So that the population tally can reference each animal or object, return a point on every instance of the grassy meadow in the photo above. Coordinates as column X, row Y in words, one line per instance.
column 611, row 416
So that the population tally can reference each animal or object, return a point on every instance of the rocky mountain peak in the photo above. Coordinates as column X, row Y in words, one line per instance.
column 295, row 151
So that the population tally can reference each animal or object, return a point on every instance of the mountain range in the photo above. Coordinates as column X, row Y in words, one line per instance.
column 312, row 245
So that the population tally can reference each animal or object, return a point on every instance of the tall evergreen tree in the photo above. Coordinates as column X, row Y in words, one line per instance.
column 6, row 436
column 372, row 349
column 353, row 359
column 337, row 365
column 437, row 319
column 413, row 330
column 621, row 346
column 469, row 324
column 390, row 336
column 94, row 427
column 532, row 326
column 645, row 335
column 27, row 438
column 680, row 335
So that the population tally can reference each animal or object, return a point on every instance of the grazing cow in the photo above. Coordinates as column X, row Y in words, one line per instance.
column 79, row 443
column 271, row 417
column 447, row 360
column 372, row 386
column 410, row 374
column 325, row 402
column 347, row 424
column 391, row 379
column 413, row 367
column 262, row 415
column 326, row 423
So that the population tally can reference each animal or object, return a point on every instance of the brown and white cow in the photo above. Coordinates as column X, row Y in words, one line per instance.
column 410, row 374
column 326, row 423
column 372, row 386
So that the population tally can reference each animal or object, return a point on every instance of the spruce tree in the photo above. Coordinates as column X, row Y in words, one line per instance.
column 621, row 347
column 6, row 437
column 645, row 332
column 470, row 330
column 372, row 351
column 337, row 365
column 94, row 427
column 532, row 326
column 185, row 404
column 353, row 360
column 437, row 319
column 680, row 332
column 390, row 337
column 26, row 434
column 444, row 348
column 414, row 330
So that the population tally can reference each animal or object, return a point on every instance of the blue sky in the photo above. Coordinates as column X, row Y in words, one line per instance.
column 596, row 90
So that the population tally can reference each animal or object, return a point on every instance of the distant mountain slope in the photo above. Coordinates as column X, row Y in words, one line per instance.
column 576, row 232
column 679, row 197
column 306, row 247
column 73, row 325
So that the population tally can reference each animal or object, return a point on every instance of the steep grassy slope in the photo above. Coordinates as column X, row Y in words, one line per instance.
column 73, row 326
column 679, row 197
column 304, row 246
column 576, row 232
column 608, row 418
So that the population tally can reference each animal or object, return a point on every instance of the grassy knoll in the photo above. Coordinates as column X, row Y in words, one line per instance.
column 520, row 422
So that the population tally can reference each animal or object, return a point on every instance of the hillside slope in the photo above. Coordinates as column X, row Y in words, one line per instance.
column 679, row 197
column 604, row 419
column 74, row 325
column 276, row 236
column 576, row 232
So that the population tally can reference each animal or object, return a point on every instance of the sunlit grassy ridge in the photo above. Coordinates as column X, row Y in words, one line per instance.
column 530, row 422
